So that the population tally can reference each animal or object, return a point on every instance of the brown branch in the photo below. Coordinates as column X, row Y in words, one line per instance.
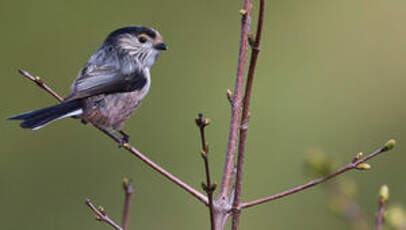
column 236, row 103
column 383, row 198
column 209, row 187
column 128, row 192
column 101, row 215
column 128, row 147
column 255, row 45
column 355, row 164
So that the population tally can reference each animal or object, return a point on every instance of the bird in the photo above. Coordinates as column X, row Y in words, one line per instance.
column 111, row 85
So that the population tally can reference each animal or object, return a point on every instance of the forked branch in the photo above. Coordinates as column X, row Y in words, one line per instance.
column 101, row 215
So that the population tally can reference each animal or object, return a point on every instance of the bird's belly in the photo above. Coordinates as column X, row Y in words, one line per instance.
column 111, row 111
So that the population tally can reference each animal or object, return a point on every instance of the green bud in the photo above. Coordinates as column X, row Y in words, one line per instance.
column 125, row 183
column 101, row 210
column 384, row 193
column 390, row 144
column 204, row 154
column 363, row 166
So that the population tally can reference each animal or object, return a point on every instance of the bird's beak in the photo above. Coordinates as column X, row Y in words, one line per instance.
column 160, row 46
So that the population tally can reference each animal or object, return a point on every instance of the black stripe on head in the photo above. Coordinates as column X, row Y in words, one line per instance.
column 133, row 30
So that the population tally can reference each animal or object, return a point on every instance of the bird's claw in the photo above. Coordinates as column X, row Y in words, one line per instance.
column 124, row 140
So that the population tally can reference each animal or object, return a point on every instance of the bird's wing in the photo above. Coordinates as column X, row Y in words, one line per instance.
column 95, row 80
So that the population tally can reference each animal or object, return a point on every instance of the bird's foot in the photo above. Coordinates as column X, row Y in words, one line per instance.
column 124, row 140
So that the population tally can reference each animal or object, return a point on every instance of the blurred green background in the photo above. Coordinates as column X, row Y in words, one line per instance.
column 330, row 78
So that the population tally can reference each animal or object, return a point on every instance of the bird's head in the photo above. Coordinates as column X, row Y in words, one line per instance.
column 142, row 43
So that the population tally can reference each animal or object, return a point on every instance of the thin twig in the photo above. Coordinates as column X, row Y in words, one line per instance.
column 255, row 45
column 128, row 192
column 357, row 164
column 383, row 198
column 128, row 147
column 166, row 174
column 236, row 103
column 209, row 187
column 101, row 215
column 37, row 80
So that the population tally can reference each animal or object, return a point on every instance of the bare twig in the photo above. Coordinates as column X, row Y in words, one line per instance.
column 128, row 192
column 101, row 215
column 355, row 164
column 37, row 80
column 128, row 147
column 255, row 45
column 236, row 103
column 383, row 198
column 209, row 187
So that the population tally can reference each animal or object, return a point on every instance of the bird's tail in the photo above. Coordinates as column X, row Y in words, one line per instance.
column 39, row 118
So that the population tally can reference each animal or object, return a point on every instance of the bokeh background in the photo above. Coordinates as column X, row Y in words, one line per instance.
column 330, row 79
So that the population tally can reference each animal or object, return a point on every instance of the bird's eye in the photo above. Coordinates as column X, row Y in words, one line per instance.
column 143, row 38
